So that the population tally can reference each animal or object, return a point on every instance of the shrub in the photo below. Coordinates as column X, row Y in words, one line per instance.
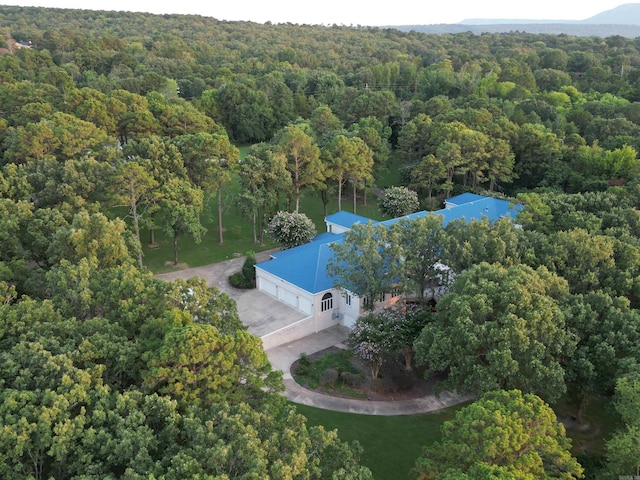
column 304, row 365
column 245, row 278
column 398, row 201
column 329, row 377
column 352, row 380
column 248, row 267
column 237, row 280
column 291, row 229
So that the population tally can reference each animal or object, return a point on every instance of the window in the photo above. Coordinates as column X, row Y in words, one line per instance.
column 327, row 302
column 366, row 303
column 347, row 299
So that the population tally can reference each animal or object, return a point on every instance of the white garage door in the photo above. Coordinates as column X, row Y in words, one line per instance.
column 289, row 298
column 268, row 287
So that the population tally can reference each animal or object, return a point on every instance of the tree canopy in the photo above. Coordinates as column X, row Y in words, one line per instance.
column 504, row 434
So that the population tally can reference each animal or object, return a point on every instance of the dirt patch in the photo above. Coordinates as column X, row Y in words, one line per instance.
column 394, row 381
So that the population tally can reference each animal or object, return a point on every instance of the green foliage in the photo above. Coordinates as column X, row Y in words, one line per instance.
column 465, row 244
column 504, row 434
column 309, row 372
column 198, row 365
column 420, row 241
column 303, row 159
column 398, row 202
column 246, row 278
column 291, row 229
column 71, row 400
column 367, row 263
column 248, row 267
column 500, row 328
column 509, row 111
column 238, row 280
column 607, row 330
column 179, row 212
column 623, row 449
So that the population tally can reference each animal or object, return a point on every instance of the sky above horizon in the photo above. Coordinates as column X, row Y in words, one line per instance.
column 341, row 12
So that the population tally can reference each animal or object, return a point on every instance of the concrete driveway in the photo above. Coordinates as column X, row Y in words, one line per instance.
column 263, row 314
column 260, row 313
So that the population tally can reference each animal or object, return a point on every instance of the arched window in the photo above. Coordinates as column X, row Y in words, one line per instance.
column 327, row 302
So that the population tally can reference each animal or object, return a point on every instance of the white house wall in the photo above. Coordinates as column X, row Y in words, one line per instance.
column 349, row 313
column 336, row 229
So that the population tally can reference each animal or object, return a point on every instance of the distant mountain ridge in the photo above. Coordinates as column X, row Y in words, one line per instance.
column 623, row 20
column 627, row 14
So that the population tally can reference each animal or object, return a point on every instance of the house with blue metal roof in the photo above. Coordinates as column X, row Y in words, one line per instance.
column 298, row 276
column 342, row 221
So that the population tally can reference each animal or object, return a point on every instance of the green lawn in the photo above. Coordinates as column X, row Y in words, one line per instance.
column 391, row 444
column 238, row 234
column 599, row 423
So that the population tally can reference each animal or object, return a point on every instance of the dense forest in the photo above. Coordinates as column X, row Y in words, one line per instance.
column 114, row 124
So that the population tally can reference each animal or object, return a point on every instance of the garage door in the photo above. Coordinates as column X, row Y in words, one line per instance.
column 268, row 287
column 289, row 298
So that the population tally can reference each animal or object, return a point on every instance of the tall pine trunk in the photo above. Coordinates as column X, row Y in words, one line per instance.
column 220, row 237
column 175, row 246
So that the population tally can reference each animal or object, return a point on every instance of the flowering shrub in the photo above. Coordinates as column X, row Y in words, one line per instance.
column 398, row 201
column 377, row 335
column 291, row 229
column 370, row 339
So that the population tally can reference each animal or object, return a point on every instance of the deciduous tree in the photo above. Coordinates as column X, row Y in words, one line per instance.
column 210, row 161
column 500, row 328
column 303, row 159
column 504, row 434
column 367, row 262
column 199, row 365
column 179, row 212
column 420, row 241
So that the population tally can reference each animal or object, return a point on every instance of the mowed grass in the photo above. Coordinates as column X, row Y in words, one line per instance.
column 599, row 423
column 391, row 445
column 238, row 231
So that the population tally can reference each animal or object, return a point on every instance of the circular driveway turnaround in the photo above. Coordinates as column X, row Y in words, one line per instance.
column 284, row 356
column 253, row 314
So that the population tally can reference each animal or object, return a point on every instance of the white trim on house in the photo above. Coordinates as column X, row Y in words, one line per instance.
column 305, row 265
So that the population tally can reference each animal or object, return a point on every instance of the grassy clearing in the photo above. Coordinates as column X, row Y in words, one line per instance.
column 599, row 423
column 238, row 232
column 391, row 445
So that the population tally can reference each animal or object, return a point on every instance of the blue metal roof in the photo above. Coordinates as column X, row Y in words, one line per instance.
column 491, row 208
column 346, row 219
column 464, row 198
column 305, row 266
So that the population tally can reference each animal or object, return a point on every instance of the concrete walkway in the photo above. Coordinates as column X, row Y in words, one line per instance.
column 284, row 356
column 260, row 312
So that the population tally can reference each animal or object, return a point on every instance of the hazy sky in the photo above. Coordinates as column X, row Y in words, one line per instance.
column 349, row 12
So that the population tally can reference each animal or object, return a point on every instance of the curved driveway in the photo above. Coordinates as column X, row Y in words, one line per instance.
column 284, row 356
column 257, row 318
